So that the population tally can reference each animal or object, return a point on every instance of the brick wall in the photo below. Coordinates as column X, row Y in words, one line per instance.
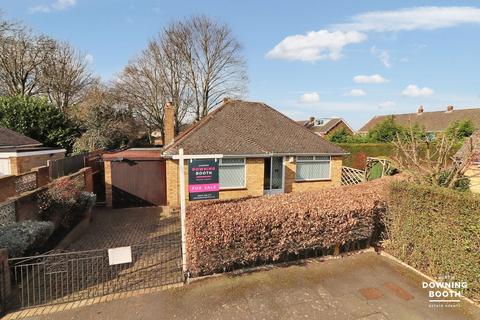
column 7, row 187
column 294, row 186
column 254, row 183
column 108, row 184
column 20, row 165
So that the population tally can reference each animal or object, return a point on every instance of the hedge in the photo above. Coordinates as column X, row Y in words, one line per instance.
column 437, row 231
column 223, row 235
column 25, row 236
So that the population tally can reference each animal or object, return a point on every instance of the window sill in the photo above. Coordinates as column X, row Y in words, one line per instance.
column 233, row 189
column 313, row 180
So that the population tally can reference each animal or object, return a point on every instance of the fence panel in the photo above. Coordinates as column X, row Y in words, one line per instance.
column 69, row 165
column 71, row 276
column 352, row 176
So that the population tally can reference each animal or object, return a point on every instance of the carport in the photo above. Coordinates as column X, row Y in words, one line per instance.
column 135, row 178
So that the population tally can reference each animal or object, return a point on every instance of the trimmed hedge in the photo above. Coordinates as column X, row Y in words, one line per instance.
column 223, row 235
column 437, row 231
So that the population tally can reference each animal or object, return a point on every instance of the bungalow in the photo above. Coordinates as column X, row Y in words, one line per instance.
column 326, row 126
column 264, row 152
column 433, row 122
column 19, row 153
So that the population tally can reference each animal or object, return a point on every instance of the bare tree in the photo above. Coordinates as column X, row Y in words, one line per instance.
column 431, row 162
column 22, row 54
column 65, row 76
column 215, row 65
column 156, row 76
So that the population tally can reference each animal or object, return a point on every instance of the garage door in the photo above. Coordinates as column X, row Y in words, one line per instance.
column 138, row 183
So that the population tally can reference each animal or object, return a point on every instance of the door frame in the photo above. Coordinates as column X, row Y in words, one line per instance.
column 271, row 191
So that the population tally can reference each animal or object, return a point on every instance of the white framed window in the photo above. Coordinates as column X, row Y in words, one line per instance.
column 232, row 173
column 313, row 168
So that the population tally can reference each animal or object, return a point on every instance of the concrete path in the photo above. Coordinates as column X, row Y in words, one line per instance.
column 363, row 286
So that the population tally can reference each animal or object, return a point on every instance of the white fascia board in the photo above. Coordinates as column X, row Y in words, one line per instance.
column 30, row 153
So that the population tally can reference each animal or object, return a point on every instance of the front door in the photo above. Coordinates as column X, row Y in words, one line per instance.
column 273, row 175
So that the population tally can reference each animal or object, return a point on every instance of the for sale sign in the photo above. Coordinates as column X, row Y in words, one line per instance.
column 203, row 179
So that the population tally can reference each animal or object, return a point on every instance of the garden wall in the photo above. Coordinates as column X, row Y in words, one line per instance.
column 224, row 235
column 437, row 231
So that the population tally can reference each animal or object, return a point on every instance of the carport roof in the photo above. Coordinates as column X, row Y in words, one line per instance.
column 135, row 154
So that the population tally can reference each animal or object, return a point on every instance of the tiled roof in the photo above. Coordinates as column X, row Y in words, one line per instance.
column 9, row 138
column 435, row 121
column 249, row 128
column 471, row 147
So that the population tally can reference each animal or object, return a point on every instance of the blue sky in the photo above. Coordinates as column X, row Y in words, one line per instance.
column 353, row 59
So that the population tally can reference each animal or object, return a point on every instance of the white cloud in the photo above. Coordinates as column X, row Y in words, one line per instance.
column 315, row 45
column 311, row 97
column 88, row 59
column 57, row 5
column 382, row 55
column 414, row 91
column 374, row 78
column 415, row 18
column 356, row 93
column 386, row 104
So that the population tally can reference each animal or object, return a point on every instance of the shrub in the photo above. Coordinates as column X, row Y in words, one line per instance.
column 437, row 231
column 25, row 236
column 224, row 234
column 60, row 202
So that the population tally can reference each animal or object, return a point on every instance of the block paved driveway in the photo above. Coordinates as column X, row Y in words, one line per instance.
column 363, row 286
column 124, row 227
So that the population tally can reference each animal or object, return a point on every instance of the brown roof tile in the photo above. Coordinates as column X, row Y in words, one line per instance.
column 249, row 128
column 435, row 121
column 10, row 138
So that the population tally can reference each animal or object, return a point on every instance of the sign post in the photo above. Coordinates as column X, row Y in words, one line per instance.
column 202, row 164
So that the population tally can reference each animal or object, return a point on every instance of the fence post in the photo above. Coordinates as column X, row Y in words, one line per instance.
column 5, row 282
column 87, row 176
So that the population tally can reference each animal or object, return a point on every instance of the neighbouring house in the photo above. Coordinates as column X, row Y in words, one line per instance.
column 264, row 152
column 326, row 126
column 19, row 153
column 433, row 122
column 470, row 151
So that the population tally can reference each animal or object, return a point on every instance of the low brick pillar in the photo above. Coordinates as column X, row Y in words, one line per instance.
column 87, row 175
column 108, row 184
column 7, row 187
column 5, row 282
column 43, row 175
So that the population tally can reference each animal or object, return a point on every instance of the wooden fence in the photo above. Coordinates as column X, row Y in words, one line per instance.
column 352, row 176
column 69, row 165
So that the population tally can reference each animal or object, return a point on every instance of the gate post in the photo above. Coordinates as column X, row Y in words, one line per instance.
column 5, row 281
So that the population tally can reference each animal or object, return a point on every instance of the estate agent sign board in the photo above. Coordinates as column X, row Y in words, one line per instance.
column 203, row 179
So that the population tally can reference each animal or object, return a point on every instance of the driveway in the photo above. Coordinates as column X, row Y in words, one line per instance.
column 363, row 286
column 129, row 226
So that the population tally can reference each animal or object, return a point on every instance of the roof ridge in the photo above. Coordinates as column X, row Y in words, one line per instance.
column 302, row 126
column 195, row 127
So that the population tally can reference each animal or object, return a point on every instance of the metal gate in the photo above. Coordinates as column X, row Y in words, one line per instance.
column 71, row 276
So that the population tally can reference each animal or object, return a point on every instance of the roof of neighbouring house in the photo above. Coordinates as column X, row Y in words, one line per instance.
column 434, row 121
column 12, row 139
column 470, row 148
column 249, row 128
column 323, row 125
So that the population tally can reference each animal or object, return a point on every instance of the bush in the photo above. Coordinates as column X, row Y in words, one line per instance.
column 63, row 203
column 224, row 234
column 37, row 119
column 25, row 236
column 437, row 231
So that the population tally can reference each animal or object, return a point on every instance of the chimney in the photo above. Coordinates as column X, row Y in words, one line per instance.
column 450, row 108
column 311, row 119
column 168, row 123
column 226, row 100
column 420, row 110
